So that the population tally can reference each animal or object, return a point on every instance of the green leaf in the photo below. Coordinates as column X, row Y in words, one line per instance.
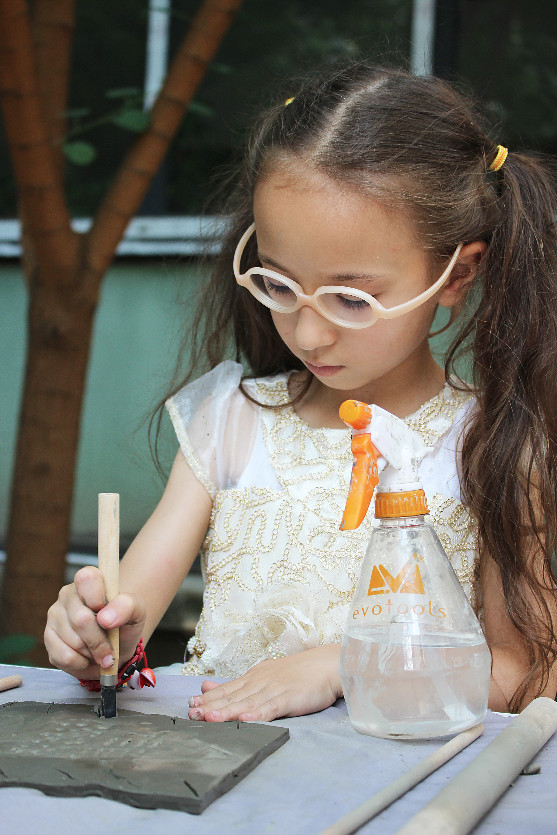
column 222, row 69
column 76, row 112
column 79, row 152
column 12, row 647
column 123, row 93
column 133, row 119
column 201, row 109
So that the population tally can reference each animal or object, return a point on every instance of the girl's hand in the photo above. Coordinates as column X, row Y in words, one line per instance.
column 302, row 683
column 75, row 636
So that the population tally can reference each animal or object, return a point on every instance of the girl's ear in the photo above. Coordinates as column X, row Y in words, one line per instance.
column 463, row 274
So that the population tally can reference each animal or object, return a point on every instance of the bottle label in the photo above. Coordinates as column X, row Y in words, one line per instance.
column 408, row 581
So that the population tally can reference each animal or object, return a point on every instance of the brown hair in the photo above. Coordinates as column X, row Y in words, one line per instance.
column 418, row 145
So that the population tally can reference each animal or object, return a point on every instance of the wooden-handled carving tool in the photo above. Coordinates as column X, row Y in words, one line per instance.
column 109, row 555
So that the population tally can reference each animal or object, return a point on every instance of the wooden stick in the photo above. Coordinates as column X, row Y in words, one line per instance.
column 458, row 807
column 372, row 807
column 109, row 565
column 9, row 682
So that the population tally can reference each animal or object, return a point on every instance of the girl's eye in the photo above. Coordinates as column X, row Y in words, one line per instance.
column 352, row 302
column 346, row 307
column 276, row 288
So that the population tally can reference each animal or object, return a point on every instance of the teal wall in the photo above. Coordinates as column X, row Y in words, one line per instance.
column 140, row 320
column 141, row 317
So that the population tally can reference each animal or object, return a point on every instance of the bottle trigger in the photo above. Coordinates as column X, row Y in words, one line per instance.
column 364, row 480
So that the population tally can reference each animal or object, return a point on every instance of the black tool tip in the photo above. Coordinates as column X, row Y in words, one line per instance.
column 108, row 702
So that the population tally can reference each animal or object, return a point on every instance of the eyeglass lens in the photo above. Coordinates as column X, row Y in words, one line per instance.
column 281, row 296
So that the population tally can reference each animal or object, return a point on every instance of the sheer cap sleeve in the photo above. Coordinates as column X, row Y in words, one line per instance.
column 215, row 425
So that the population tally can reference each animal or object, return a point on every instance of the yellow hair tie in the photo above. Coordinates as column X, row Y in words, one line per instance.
column 500, row 157
column 289, row 101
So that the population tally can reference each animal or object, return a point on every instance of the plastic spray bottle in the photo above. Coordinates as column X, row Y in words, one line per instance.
column 414, row 661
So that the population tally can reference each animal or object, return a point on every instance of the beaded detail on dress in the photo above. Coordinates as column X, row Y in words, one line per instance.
column 279, row 574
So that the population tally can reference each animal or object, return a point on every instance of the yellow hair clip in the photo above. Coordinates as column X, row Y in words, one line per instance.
column 500, row 157
column 289, row 101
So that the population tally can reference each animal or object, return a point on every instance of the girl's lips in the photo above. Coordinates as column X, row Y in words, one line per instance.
column 323, row 370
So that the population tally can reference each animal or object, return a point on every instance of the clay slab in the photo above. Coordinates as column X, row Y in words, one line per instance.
column 145, row 760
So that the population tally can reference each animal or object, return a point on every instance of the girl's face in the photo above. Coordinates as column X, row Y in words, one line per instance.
column 317, row 232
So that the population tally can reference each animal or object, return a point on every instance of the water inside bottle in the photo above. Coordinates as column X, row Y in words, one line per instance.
column 412, row 687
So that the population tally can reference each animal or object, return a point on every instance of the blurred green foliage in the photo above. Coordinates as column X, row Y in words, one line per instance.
column 14, row 649
column 505, row 54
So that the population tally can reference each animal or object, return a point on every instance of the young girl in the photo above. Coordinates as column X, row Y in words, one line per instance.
column 367, row 190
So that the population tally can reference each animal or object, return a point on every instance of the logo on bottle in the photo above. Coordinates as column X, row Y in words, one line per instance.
column 407, row 581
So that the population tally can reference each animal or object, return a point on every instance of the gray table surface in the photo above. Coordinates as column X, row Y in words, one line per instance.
column 325, row 770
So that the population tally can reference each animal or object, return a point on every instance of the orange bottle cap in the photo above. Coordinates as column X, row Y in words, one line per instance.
column 396, row 505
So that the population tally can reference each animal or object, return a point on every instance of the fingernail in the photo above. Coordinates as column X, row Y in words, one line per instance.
column 109, row 616
column 194, row 701
column 196, row 714
column 107, row 661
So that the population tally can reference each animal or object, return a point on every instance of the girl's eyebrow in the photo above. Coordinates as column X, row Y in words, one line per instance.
column 342, row 278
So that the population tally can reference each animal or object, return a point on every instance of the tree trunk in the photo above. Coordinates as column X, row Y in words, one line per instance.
column 64, row 283
column 59, row 335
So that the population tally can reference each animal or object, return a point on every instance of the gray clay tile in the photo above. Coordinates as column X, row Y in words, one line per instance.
column 145, row 760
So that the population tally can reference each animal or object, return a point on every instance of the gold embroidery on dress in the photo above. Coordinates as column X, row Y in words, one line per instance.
column 266, row 548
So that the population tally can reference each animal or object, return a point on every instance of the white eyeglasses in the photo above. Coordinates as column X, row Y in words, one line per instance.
column 344, row 306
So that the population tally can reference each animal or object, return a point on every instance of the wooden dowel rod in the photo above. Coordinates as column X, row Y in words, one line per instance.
column 9, row 682
column 109, row 563
column 372, row 807
column 458, row 807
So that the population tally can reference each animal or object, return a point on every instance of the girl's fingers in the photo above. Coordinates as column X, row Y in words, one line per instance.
column 209, row 685
column 124, row 610
column 63, row 656
column 263, row 706
column 71, row 631
column 89, row 586
column 59, row 625
column 228, row 693
column 225, row 702
column 83, row 623
column 81, row 616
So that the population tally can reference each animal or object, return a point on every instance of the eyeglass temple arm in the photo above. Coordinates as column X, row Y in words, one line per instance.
column 240, row 250
column 406, row 307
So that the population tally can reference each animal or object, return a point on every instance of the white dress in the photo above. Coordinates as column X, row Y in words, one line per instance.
column 279, row 574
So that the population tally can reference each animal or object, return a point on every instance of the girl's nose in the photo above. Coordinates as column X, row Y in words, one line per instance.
column 313, row 330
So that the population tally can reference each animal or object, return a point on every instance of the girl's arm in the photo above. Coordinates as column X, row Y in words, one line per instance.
column 151, row 572
column 309, row 681
column 510, row 659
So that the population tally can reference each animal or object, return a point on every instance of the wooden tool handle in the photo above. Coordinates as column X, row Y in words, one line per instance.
column 9, row 682
column 109, row 562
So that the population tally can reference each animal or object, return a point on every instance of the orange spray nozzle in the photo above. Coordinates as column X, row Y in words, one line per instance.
column 365, row 475
column 355, row 413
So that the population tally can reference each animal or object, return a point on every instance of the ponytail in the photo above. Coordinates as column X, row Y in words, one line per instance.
column 510, row 452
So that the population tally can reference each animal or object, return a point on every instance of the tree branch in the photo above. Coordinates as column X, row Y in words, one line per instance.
column 42, row 200
column 144, row 158
column 53, row 26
